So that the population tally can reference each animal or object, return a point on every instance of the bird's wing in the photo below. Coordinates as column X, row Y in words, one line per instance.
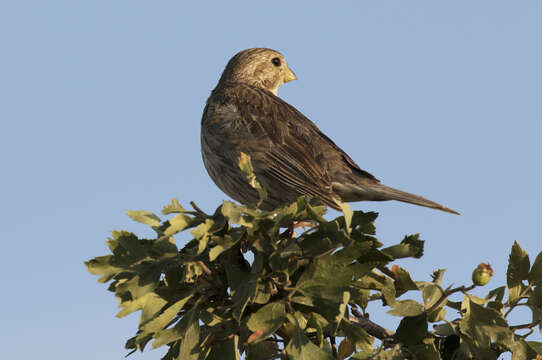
column 330, row 152
column 280, row 147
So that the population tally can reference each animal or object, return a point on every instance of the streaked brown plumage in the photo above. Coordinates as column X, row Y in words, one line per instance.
column 290, row 155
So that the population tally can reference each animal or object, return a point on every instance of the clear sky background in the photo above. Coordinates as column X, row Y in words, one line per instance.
column 100, row 108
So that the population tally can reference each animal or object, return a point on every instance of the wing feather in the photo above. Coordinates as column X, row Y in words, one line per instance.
column 280, row 149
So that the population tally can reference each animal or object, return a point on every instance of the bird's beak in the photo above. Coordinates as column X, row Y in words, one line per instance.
column 289, row 75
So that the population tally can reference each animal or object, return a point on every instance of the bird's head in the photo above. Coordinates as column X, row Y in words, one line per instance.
column 261, row 67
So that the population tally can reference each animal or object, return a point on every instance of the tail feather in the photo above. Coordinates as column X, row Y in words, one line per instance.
column 384, row 192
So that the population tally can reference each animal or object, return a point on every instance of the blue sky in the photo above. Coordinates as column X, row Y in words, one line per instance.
column 100, row 106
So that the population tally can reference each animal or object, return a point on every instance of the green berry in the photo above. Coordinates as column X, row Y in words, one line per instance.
column 482, row 274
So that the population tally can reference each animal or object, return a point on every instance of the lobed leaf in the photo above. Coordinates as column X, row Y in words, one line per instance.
column 535, row 275
column 144, row 217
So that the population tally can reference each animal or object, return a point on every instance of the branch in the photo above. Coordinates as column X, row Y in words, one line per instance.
column 370, row 327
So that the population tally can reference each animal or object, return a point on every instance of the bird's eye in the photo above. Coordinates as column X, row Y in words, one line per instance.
column 276, row 61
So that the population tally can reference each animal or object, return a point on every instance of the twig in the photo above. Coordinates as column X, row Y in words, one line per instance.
column 370, row 327
column 527, row 334
column 526, row 326
column 197, row 208
column 205, row 268
column 333, row 346
column 214, row 280
column 386, row 271
column 446, row 294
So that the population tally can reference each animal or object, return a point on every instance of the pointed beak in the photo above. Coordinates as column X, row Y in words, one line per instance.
column 289, row 75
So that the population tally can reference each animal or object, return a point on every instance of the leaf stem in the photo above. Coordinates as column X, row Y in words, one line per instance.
column 516, row 302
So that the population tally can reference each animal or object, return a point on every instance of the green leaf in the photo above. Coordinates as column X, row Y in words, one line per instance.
column 212, row 316
column 202, row 233
column 103, row 265
column 174, row 207
column 535, row 276
column 144, row 217
column 437, row 276
column 357, row 335
column 392, row 354
column 535, row 304
column 364, row 222
column 375, row 281
column 154, row 305
column 347, row 215
column 301, row 348
column 261, row 350
column 436, row 315
column 246, row 166
column 343, row 306
column 316, row 322
column 162, row 320
column 374, row 257
column 411, row 246
column 518, row 266
column 225, row 242
column 535, row 299
column 266, row 321
column 138, row 285
column 190, row 349
column 403, row 277
column 498, row 293
column 406, row 308
column 431, row 294
column 425, row 351
column 164, row 245
column 243, row 287
column 518, row 270
column 412, row 329
column 535, row 346
column 444, row 330
column 130, row 306
column 235, row 214
column 484, row 325
column 225, row 350
column 178, row 330
column 318, row 244
column 524, row 350
column 178, row 223
column 326, row 278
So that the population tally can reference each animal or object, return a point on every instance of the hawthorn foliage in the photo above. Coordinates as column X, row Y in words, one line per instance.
column 248, row 284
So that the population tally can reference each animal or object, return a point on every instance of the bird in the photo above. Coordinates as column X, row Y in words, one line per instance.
column 290, row 155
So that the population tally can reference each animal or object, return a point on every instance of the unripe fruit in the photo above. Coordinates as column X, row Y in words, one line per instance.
column 482, row 274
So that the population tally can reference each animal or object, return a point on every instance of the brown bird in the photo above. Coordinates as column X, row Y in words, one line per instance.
column 290, row 155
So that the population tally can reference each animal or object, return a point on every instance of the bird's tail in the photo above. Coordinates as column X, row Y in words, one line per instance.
column 388, row 193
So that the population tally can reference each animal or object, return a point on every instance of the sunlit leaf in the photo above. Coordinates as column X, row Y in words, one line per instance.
column 144, row 217
column 301, row 348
